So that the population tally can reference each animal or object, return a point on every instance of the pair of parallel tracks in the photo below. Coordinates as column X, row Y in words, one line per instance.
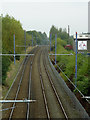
column 52, row 85
column 42, row 86
column 19, row 85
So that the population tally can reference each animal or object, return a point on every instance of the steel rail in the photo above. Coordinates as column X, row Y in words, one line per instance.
column 15, row 78
column 43, row 89
column 10, row 117
column 28, row 104
column 29, row 87
column 14, row 102
column 55, row 91
column 29, row 93
column 13, row 82
column 19, row 89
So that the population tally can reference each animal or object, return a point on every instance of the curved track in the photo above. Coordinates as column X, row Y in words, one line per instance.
column 38, row 81
column 20, row 90
column 55, row 97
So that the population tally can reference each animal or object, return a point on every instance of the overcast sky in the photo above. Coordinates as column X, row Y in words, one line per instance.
column 41, row 16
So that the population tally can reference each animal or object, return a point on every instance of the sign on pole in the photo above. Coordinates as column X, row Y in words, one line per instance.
column 82, row 45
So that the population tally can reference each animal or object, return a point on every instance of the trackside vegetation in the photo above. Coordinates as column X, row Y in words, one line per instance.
column 11, row 26
column 67, row 63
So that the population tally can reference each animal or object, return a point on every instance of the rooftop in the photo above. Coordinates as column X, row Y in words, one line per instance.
column 82, row 36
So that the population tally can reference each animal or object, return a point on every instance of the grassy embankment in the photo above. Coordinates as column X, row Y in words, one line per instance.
column 67, row 64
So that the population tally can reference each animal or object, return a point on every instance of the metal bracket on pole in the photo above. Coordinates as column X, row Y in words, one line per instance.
column 16, row 101
column 55, row 47
column 16, row 54
column 61, row 54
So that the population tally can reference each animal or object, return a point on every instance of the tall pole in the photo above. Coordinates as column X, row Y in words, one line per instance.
column 50, row 40
column 68, row 30
column 76, row 63
column 36, row 40
column 25, row 40
column 89, row 17
column 68, row 33
column 32, row 40
column 55, row 47
column 14, row 48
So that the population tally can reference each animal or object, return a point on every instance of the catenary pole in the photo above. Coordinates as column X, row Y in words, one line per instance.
column 50, row 40
column 76, row 63
column 36, row 40
column 32, row 40
column 14, row 47
column 55, row 47
column 25, row 39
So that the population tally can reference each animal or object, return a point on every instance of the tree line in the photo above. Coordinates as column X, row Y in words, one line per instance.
column 61, row 33
column 11, row 26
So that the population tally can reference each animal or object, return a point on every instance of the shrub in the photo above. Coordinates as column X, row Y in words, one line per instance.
column 5, row 64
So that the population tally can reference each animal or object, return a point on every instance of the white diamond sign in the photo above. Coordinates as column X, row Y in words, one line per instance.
column 82, row 45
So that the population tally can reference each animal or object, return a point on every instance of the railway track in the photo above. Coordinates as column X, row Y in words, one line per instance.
column 24, row 107
column 67, row 97
column 54, row 89
column 37, row 81
column 12, row 110
column 29, row 88
column 43, row 89
column 56, row 98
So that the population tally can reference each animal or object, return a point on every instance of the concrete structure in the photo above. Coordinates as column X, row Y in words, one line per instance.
column 84, row 38
column 83, row 42
column 89, row 17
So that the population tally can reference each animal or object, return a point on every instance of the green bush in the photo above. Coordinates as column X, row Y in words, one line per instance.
column 67, row 63
column 83, row 85
column 17, row 58
column 5, row 64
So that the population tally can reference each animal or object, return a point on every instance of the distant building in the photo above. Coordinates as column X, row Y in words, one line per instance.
column 83, row 44
column 89, row 17
column 83, row 39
